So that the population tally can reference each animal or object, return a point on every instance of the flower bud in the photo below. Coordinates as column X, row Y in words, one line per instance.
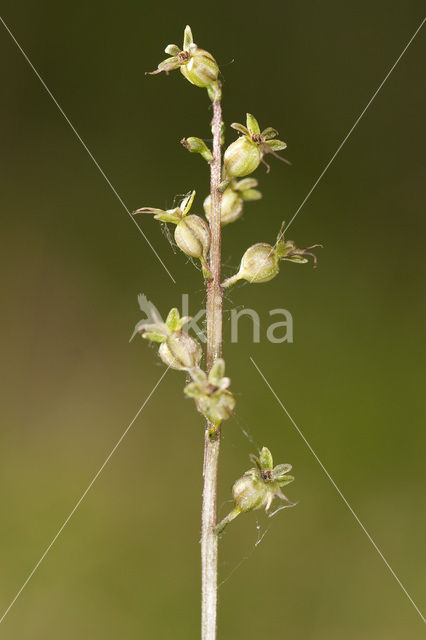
column 180, row 351
column 196, row 145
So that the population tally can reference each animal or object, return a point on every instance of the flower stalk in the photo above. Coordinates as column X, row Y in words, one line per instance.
column 209, row 538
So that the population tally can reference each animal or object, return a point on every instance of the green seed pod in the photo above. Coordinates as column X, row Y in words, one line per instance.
column 202, row 69
column 180, row 351
column 249, row 492
column 192, row 235
column 259, row 263
column 242, row 157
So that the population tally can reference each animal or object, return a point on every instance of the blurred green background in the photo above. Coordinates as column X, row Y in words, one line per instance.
column 72, row 264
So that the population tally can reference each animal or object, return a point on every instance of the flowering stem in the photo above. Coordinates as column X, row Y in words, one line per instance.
column 209, row 539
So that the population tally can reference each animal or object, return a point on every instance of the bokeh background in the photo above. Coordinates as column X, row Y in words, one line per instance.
column 72, row 264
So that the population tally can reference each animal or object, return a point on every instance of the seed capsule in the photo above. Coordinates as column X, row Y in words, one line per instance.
column 249, row 492
column 180, row 351
column 202, row 69
column 242, row 157
column 260, row 263
column 192, row 236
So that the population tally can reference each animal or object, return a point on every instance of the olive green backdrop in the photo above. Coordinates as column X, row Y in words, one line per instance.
column 72, row 264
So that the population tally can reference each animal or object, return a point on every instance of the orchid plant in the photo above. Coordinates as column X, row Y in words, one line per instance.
column 201, row 239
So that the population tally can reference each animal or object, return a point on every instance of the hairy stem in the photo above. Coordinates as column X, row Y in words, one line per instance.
column 209, row 540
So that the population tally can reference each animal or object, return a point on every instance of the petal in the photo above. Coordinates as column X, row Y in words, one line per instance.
column 255, row 461
column 217, row 371
column 167, row 217
column 251, row 194
column 276, row 145
column 193, row 390
column 297, row 259
column 285, row 480
column 280, row 470
column 154, row 337
column 187, row 38
column 252, row 124
column 186, row 203
column 167, row 65
column 172, row 49
column 148, row 210
column 265, row 459
column 267, row 133
column 246, row 183
column 173, row 318
column 241, row 128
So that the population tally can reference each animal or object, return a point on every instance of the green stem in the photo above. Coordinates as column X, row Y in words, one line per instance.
column 209, row 539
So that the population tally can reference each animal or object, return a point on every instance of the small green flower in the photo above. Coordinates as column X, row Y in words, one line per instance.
column 178, row 349
column 231, row 207
column 245, row 154
column 192, row 233
column 197, row 65
column 258, row 487
column 211, row 394
column 261, row 262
